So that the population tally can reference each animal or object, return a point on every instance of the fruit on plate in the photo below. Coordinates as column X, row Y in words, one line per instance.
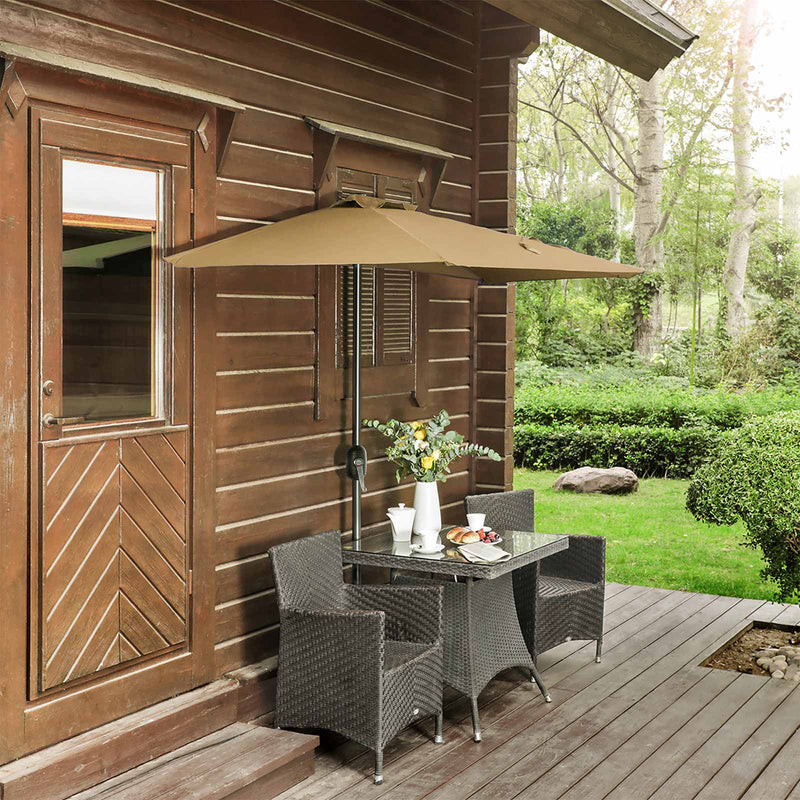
column 462, row 536
column 488, row 536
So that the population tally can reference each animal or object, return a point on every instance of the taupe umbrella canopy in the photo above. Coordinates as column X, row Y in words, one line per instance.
column 365, row 230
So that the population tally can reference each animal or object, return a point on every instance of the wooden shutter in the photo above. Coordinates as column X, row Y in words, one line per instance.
column 345, row 327
column 396, row 311
column 349, row 183
column 387, row 296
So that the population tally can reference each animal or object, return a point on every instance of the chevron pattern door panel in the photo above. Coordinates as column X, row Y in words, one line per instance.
column 112, row 553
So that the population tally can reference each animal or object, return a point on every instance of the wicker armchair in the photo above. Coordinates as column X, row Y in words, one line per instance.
column 560, row 598
column 364, row 661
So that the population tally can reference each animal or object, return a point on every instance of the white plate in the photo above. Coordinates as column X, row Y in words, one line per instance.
column 486, row 529
column 494, row 541
column 418, row 548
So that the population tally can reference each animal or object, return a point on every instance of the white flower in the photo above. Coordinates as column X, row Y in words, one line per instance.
column 419, row 444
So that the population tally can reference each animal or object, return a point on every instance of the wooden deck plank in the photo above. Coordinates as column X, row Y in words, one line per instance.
column 647, row 777
column 415, row 778
column 747, row 763
column 781, row 775
column 558, row 763
column 646, row 722
column 579, row 707
column 704, row 763
column 724, row 692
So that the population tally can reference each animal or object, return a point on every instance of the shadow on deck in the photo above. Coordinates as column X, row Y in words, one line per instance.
column 646, row 722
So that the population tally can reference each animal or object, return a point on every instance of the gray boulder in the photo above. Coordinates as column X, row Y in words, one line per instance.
column 616, row 480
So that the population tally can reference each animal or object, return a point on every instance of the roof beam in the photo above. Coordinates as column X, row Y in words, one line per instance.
column 632, row 34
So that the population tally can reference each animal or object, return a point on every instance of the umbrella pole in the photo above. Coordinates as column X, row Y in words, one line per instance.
column 357, row 455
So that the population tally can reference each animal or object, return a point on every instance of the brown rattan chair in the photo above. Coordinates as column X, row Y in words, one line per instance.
column 560, row 598
column 364, row 661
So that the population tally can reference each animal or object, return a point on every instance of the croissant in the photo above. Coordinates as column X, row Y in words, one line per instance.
column 463, row 536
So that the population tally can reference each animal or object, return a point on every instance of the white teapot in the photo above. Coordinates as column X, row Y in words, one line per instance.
column 402, row 519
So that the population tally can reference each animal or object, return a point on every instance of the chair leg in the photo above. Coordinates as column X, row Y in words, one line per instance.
column 437, row 734
column 379, row 767
column 476, row 720
column 599, row 650
column 537, row 679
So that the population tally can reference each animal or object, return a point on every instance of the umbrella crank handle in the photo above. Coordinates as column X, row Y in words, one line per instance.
column 357, row 465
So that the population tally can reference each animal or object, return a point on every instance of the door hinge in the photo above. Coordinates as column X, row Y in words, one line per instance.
column 189, row 583
column 191, row 201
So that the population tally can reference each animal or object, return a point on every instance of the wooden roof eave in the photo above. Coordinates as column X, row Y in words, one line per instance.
column 635, row 35
column 227, row 108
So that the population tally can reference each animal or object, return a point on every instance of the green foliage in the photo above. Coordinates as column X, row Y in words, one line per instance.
column 773, row 266
column 648, row 451
column 577, row 226
column 572, row 323
column 754, row 478
column 425, row 449
column 646, row 403
column 643, row 288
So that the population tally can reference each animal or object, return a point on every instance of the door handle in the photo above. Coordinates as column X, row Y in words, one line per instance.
column 52, row 421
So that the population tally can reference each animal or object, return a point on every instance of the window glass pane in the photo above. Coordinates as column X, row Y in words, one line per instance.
column 109, row 291
column 107, row 190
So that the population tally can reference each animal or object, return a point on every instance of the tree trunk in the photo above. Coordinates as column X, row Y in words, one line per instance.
column 614, row 189
column 647, row 208
column 746, row 195
column 561, row 166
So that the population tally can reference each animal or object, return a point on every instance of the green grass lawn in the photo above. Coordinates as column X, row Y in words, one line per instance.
column 652, row 540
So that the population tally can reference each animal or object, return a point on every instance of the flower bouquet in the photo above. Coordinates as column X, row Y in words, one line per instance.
column 425, row 449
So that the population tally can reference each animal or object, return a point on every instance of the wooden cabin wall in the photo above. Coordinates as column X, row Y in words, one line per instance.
column 441, row 73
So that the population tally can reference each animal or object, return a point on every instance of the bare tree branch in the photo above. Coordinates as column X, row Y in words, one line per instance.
column 683, row 169
column 576, row 133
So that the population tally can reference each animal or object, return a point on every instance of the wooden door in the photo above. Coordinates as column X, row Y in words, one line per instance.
column 111, row 537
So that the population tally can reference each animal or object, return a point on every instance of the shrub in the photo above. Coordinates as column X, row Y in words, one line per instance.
column 753, row 477
column 648, row 451
column 661, row 403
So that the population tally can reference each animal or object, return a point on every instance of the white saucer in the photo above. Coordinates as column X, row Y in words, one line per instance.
column 417, row 548
column 486, row 529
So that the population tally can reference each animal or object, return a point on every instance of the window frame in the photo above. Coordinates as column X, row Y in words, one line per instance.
column 60, row 135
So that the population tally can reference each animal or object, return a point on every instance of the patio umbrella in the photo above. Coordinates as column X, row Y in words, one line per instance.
column 381, row 233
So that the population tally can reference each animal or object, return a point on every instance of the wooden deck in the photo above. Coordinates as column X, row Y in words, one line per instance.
column 647, row 722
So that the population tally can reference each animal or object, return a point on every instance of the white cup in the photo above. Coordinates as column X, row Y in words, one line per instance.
column 428, row 538
column 475, row 521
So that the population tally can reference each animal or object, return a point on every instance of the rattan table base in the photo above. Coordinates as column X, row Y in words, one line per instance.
column 482, row 636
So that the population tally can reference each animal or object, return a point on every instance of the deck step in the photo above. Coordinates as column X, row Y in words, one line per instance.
column 71, row 766
column 239, row 762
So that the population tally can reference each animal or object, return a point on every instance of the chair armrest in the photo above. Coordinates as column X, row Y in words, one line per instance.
column 413, row 614
column 343, row 648
column 583, row 560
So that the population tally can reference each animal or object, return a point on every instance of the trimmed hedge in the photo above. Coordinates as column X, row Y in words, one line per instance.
column 643, row 404
column 648, row 451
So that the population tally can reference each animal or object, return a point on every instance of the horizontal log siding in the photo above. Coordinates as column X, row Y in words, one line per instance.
column 398, row 68
column 496, row 193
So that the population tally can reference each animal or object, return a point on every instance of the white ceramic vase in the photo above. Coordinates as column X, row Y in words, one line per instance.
column 426, row 504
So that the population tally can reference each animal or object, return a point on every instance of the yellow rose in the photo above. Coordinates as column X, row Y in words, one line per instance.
column 421, row 434
column 435, row 455
column 416, row 425
column 427, row 462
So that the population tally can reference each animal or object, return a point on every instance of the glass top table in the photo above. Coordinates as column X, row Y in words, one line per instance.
column 480, row 625
column 525, row 547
